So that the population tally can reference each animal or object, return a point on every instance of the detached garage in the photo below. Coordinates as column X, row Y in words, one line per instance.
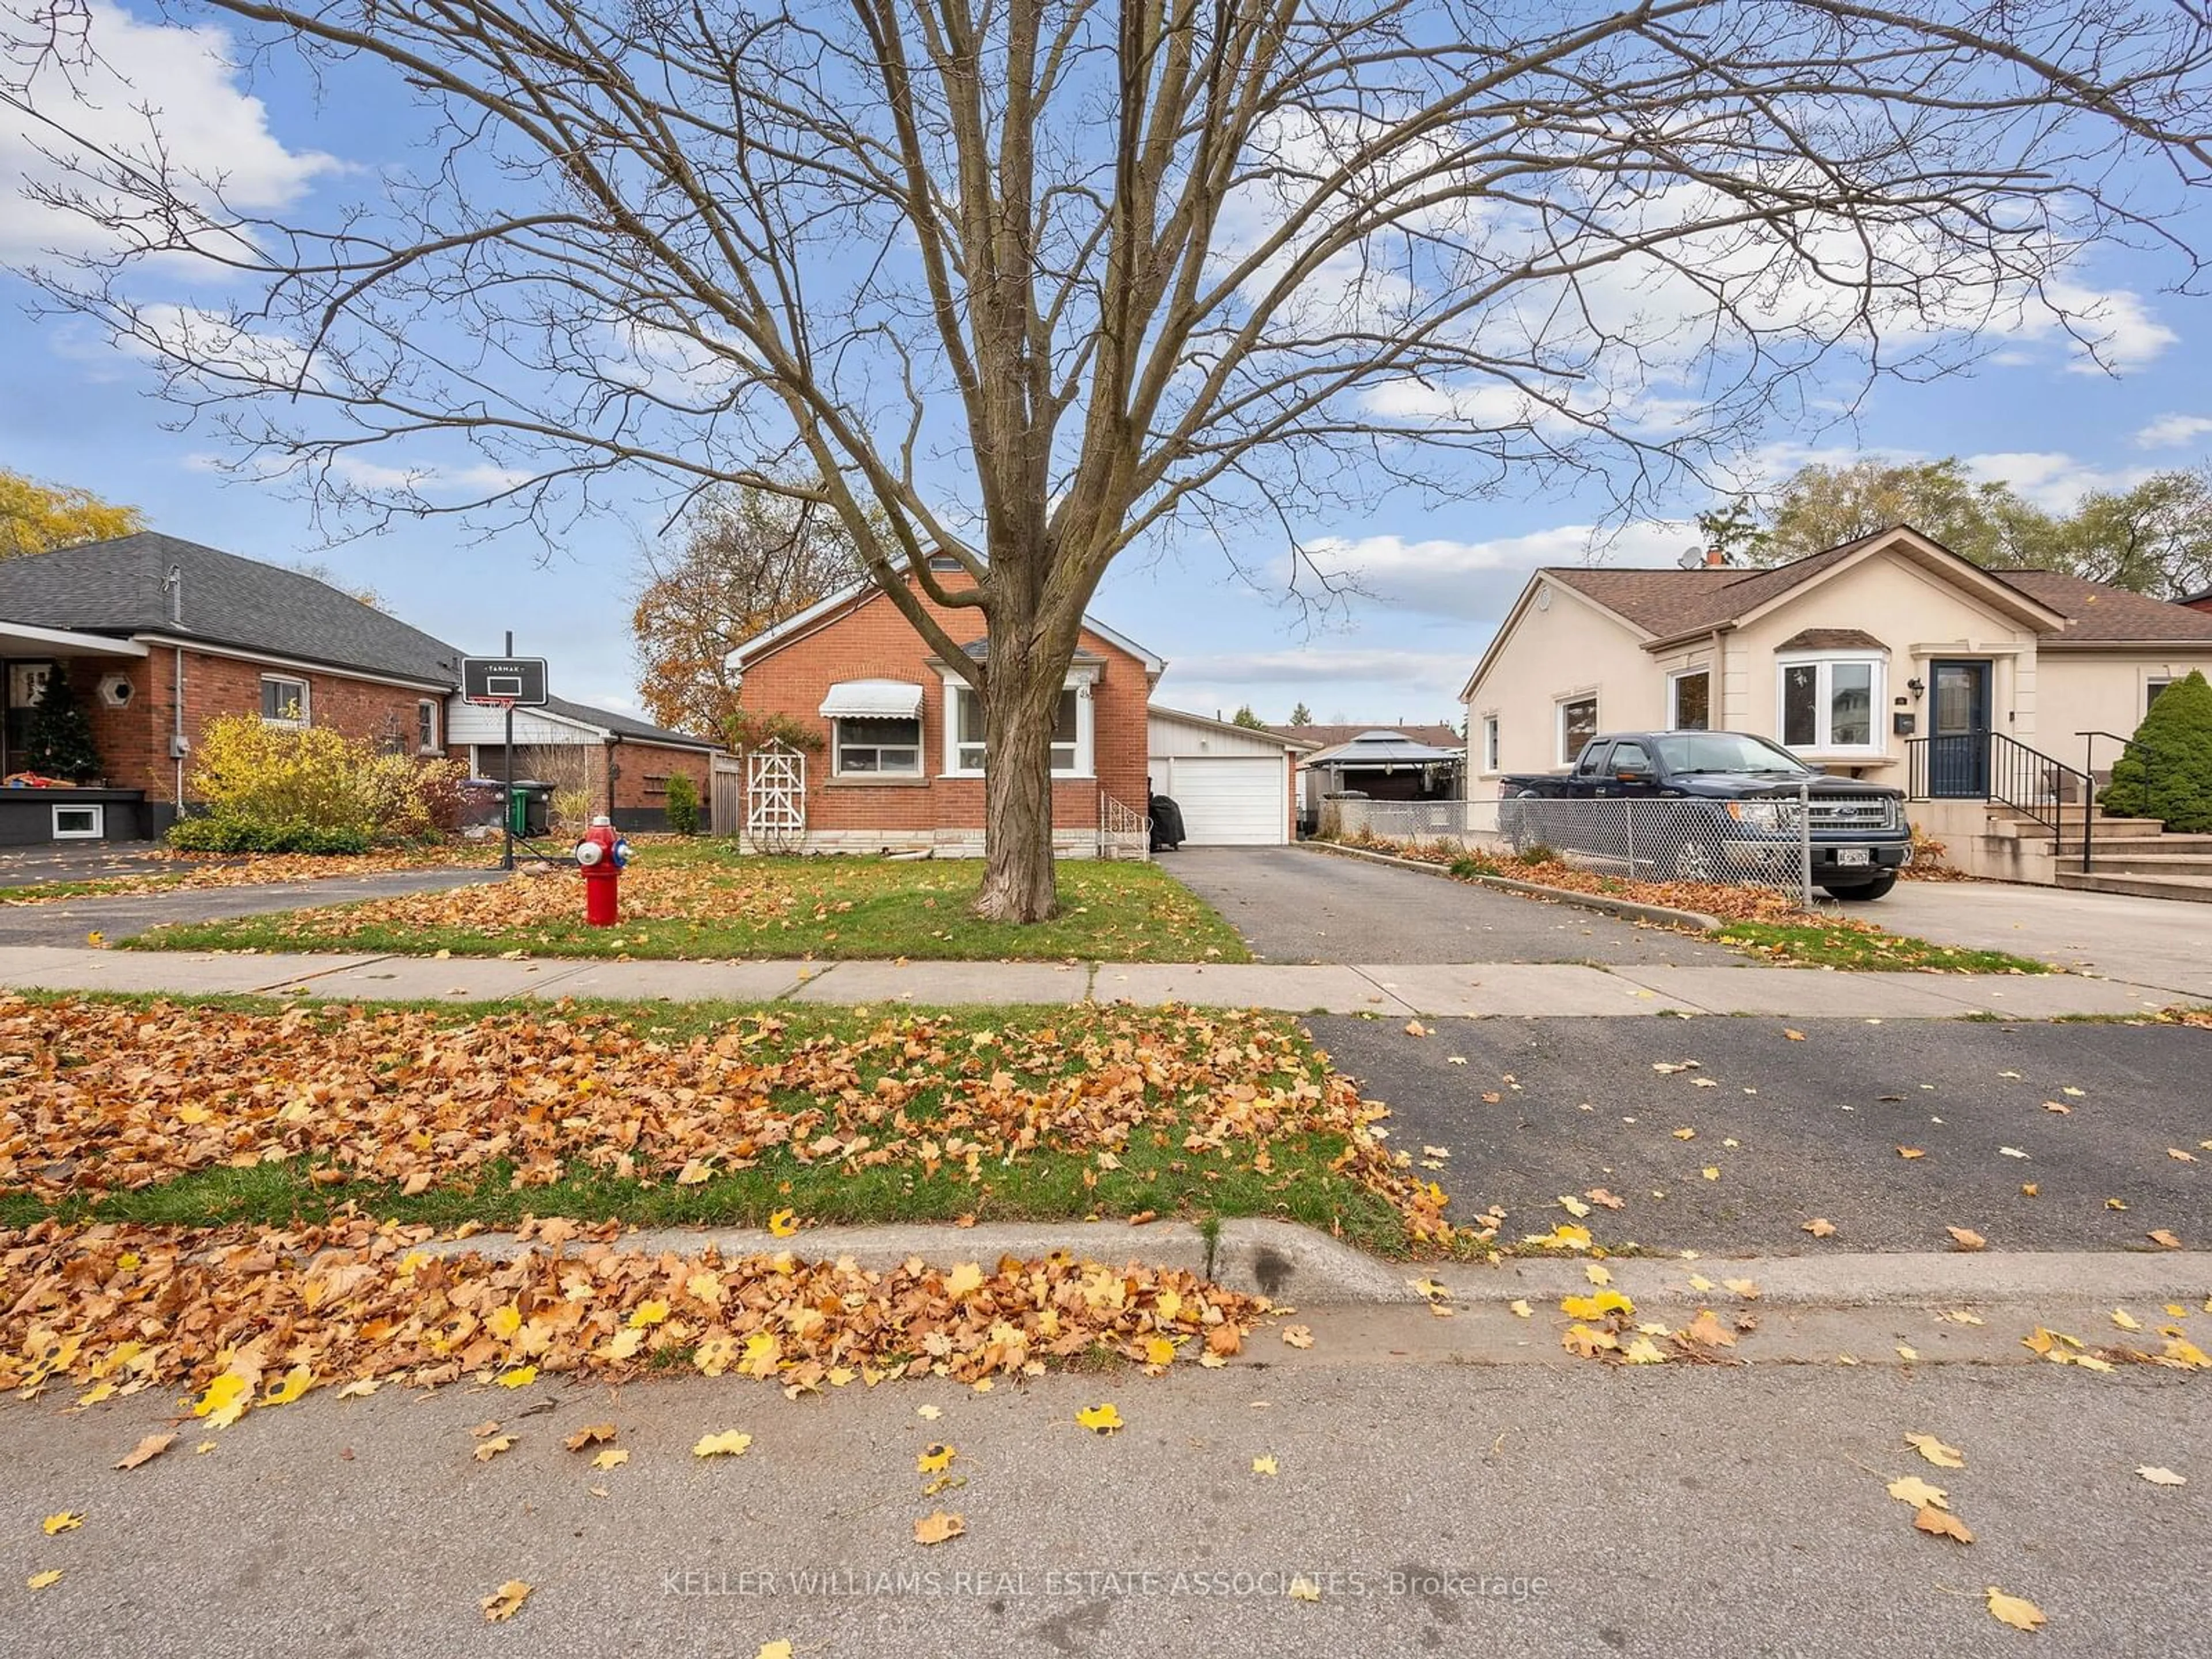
column 1232, row 783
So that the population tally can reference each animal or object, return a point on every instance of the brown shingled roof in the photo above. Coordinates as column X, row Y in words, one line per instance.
column 2097, row 613
column 1667, row 603
column 1831, row 639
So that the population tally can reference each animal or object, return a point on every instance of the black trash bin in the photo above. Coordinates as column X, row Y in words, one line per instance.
column 1167, row 824
column 529, row 808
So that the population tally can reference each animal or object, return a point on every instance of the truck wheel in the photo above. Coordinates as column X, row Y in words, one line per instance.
column 1864, row 891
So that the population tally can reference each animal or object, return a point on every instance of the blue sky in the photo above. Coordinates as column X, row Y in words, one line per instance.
column 83, row 411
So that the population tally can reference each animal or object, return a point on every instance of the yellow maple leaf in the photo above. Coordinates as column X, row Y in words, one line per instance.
column 504, row 1322
column 1644, row 1352
column 963, row 1281
column 774, row 1650
column 1938, row 1523
column 647, row 1313
column 503, row 1603
column 225, row 1400
column 487, row 1449
column 1158, row 1350
column 728, row 1444
column 1298, row 1336
column 67, row 1521
column 521, row 1378
column 612, row 1458
column 41, row 1580
column 1597, row 1306
column 1100, row 1419
column 1519, row 1308
column 1303, row 1588
column 933, row 1459
column 2013, row 1610
column 783, row 1223
column 360, row 1388
column 295, row 1383
column 1597, row 1273
column 1911, row 1489
column 1942, row 1456
column 1263, row 1465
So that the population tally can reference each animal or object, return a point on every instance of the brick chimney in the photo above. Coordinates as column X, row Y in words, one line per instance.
column 1716, row 558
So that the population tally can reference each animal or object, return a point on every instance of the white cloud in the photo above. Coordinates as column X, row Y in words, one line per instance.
column 2054, row 482
column 145, row 76
column 1478, row 580
column 2172, row 431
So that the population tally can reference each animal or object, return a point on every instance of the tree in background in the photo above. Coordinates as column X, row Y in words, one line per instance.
column 1302, row 716
column 328, row 577
column 1245, row 717
column 1023, row 286
column 748, row 560
column 58, row 741
column 2167, row 774
column 38, row 518
column 2154, row 537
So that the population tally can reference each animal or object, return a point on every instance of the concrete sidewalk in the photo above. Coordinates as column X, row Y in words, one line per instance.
column 1396, row 990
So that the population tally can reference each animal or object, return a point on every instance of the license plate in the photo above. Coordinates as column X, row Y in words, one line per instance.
column 1854, row 855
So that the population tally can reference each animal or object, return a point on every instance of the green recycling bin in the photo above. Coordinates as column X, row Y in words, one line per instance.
column 529, row 808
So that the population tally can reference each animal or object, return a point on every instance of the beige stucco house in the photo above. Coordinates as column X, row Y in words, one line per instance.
column 1845, row 657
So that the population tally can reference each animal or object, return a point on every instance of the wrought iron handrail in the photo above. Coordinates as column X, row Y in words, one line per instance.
column 2024, row 779
column 2149, row 753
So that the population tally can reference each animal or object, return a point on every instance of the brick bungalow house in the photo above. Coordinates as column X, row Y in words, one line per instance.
column 158, row 636
column 900, row 764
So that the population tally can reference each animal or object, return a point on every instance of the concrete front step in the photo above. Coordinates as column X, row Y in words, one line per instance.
column 2197, row 888
column 2141, row 847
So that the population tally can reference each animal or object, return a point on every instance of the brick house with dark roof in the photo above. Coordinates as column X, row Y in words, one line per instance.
column 158, row 635
column 1844, row 657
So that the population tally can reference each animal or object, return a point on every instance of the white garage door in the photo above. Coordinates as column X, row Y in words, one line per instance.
column 1233, row 801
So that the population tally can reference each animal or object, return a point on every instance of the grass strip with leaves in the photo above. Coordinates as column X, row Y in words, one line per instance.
column 1763, row 920
column 135, row 1108
column 249, row 1317
column 178, row 872
column 694, row 900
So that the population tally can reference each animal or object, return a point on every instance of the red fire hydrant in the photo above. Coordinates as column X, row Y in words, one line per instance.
column 600, row 856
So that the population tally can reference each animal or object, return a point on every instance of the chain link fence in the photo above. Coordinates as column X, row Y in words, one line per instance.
column 1782, row 844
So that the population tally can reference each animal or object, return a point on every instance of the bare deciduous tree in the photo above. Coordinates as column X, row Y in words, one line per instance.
column 1028, row 282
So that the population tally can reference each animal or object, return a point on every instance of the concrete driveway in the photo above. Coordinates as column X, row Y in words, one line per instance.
column 1796, row 1127
column 2161, row 942
column 1296, row 904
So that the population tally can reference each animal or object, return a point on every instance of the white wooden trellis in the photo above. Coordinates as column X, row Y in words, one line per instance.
column 775, row 799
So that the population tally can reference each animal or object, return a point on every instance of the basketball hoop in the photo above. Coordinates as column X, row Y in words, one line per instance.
column 490, row 703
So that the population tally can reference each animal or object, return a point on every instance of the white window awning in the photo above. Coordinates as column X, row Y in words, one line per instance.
column 891, row 700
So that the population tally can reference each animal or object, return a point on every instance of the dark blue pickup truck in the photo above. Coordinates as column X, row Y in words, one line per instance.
column 1733, row 812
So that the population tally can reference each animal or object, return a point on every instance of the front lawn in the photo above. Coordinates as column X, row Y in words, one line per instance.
column 699, row 899
column 136, row 1110
column 170, row 872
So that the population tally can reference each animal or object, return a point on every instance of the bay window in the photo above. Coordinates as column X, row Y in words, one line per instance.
column 1829, row 703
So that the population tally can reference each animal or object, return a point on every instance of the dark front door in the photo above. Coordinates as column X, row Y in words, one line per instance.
column 1959, row 730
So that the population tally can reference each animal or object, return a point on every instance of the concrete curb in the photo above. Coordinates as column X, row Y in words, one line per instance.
column 1279, row 1260
column 1626, row 909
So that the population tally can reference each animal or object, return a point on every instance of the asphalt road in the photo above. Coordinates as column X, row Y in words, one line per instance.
column 66, row 921
column 1542, row 1109
column 1295, row 904
column 1567, row 1510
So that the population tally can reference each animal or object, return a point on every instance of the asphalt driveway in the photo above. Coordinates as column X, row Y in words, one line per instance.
column 66, row 921
column 1296, row 904
column 1530, row 1110
column 2146, row 941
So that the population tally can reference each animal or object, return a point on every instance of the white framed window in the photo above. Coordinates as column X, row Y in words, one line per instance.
column 1690, row 701
column 284, row 700
column 426, row 725
column 1578, row 725
column 1071, row 730
column 1490, row 743
column 80, row 823
column 1829, row 704
column 2151, row 688
column 875, row 748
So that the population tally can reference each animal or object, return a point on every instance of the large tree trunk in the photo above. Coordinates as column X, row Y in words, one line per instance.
column 1021, row 697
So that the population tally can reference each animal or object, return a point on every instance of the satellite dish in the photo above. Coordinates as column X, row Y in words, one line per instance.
column 1691, row 558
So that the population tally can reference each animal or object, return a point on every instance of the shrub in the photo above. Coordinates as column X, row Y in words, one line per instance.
column 683, row 805
column 271, row 788
column 2167, row 774
column 233, row 835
